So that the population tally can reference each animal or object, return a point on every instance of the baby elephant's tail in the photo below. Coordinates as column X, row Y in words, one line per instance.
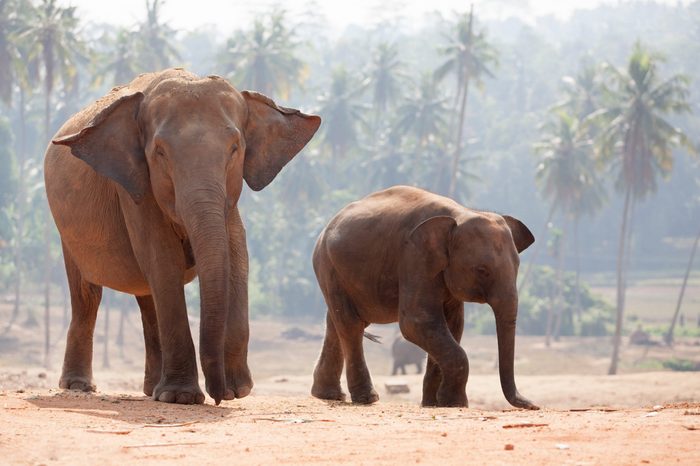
column 374, row 338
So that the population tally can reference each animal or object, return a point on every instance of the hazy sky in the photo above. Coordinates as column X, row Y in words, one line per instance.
column 227, row 14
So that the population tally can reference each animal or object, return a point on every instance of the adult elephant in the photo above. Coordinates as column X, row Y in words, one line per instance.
column 143, row 185
column 410, row 255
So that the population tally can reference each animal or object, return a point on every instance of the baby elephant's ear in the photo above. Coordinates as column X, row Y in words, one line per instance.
column 430, row 240
column 273, row 136
column 110, row 144
column 522, row 236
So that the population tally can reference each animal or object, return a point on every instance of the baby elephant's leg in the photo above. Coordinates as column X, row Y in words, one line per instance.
column 329, row 367
column 445, row 379
column 350, row 331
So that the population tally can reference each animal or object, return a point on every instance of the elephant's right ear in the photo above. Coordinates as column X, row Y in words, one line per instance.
column 110, row 145
column 522, row 236
column 274, row 135
column 430, row 242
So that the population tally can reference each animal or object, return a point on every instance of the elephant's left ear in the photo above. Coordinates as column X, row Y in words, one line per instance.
column 522, row 236
column 273, row 135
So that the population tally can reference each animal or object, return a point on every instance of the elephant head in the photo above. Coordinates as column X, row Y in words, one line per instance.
column 190, row 142
column 477, row 254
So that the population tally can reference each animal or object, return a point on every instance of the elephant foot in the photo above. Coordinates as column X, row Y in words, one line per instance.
column 325, row 392
column 364, row 397
column 238, row 384
column 149, row 384
column 452, row 400
column 184, row 394
column 151, row 376
column 77, row 382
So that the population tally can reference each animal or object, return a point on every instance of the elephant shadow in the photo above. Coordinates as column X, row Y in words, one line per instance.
column 132, row 409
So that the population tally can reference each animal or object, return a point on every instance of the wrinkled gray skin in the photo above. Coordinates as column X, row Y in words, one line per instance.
column 143, row 185
column 409, row 255
column 404, row 353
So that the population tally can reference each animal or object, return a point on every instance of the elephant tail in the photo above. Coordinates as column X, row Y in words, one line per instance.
column 374, row 338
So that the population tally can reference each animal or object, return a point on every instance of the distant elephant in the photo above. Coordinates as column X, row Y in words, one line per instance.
column 143, row 185
column 409, row 255
column 405, row 353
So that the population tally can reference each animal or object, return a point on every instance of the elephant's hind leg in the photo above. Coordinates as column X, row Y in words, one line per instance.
column 85, row 299
column 151, row 339
column 329, row 367
column 350, row 331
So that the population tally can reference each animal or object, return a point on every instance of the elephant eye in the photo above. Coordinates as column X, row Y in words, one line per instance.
column 160, row 152
column 483, row 271
column 234, row 148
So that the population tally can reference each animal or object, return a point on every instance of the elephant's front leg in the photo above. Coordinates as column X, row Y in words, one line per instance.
column 159, row 253
column 454, row 315
column 239, row 382
column 425, row 325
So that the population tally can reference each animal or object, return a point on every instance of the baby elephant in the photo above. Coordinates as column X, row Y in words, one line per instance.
column 404, row 353
column 409, row 255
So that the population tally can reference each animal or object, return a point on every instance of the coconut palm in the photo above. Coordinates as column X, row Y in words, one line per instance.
column 567, row 177
column 123, row 64
column 16, row 73
column 156, row 49
column 637, row 141
column 341, row 112
column 52, row 34
column 384, row 79
column 264, row 59
column 470, row 57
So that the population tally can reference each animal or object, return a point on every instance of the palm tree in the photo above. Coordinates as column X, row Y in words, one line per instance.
column 16, row 72
column 421, row 127
column 264, row 60
column 581, row 92
column 422, row 115
column 567, row 176
column 156, row 49
column 341, row 112
column 384, row 78
column 469, row 57
column 124, row 64
column 51, row 31
column 638, row 141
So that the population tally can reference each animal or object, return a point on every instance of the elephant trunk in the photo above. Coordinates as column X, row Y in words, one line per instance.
column 204, row 215
column 506, row 312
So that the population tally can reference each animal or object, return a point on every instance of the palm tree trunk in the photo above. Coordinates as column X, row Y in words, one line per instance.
column 668, row 338
column 560, row 288
column 19, row 236
column 458, row 144
column 536, row 249
column 620, row 308
column 577, row 260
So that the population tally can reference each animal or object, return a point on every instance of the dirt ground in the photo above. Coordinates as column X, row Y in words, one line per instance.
column 642, row 416
column 55, row 427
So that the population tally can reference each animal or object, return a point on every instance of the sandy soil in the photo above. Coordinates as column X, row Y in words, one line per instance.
column 279, row 423
column 637, row 417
